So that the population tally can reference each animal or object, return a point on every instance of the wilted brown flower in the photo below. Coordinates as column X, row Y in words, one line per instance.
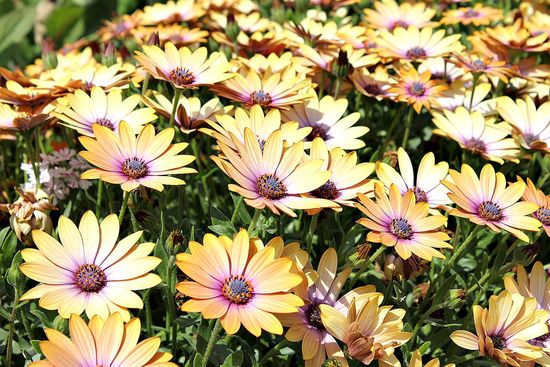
column 31, row 211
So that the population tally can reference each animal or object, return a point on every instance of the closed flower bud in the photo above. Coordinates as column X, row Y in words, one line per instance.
column 341, row 66
column 397, row 268
column 49, row 56
column 109, row 54
column 31, row 211
column 232, row 30
column 154, row 39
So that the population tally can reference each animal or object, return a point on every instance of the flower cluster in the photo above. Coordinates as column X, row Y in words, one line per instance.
column 315, row 132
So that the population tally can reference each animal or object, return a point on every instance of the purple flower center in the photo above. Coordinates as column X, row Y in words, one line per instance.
column 416, row 52
column 478, row 65
column 237, row 290
column 543, row 214
column 490, row 211
column 420, row 195
column 417, row 88
column 498, row 342
column 313, row 316
column 270, row 187
column 90, row 278
column 260, row 97
column 401, row 229
column 105, row 122
column 135, row 168
column 471, row 13
column 327, row 191
column 181, row 76
column 475, row 145
column 318, row 131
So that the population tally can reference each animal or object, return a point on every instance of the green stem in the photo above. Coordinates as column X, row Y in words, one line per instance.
column 337, row 87
column 11, row 330
column 148, row 313
column 408, row 123
column 366, row 264
column 177, row 94
column 312, row 226
column 99, row 197
column 211, row 342
column 474, row 85
column 237, row 207
column 31, row 155
column 123, row 206
column 135, row 225
column 255, row 218
column 322, row 84
column 283, row 343
column 458, row 252
column 144, row 88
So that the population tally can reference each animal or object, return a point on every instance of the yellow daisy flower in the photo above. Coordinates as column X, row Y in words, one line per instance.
column 477, row 15
column 190, row 114
column 14, row 120
column 475, row 133
column 504, row 329
column 130, row 161
column 388, row 14
column 373, row 84
column 82, row 111
column 324, row 116
column 306, row 325
column 534, row 195
column 120, row 27
column 531, row 124
column 89, row 270
column 402, row 222
column 348, row 178
column 416, row 44
column 517, row 37
column 238, row 286
column 536, row 285
column 273, row 175
column 183, row 68
column 427, row 187
column 418, row 90
column 370, row 331
column 416, row 361
column 274, row 90
column 102, row 342
column 487, row 201
column 172, row 12
column 225, row 128
column 475, row 64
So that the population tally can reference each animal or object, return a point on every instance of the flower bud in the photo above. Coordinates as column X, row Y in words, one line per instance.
column 232, row 30
column 31, row 211
column 154, row 39
column 341, row 66
column 49, row 56
column 397, row 268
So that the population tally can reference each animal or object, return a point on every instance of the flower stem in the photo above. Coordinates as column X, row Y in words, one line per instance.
column 283, row 343
column 177, row 94
column 312, row 226
column 11, row 330
column 123, row 206
column 408, row 123
column 255, row 218
column 337, row 87
column 474, row 85
column 99, row 197
column 365, row 264
column 211, row 342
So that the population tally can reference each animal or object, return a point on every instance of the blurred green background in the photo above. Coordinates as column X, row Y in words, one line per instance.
column 24, row 23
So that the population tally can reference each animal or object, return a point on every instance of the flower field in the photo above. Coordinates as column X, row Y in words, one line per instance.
column 258, row 183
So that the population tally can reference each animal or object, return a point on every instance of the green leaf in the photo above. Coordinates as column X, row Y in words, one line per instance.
column 16, row 24
column 443, row 290
column 62, row 21
column 203, row 335
column 162, row 254
column 197, row 361
column 36, row 345
column 45, row 321
column 235, row 359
